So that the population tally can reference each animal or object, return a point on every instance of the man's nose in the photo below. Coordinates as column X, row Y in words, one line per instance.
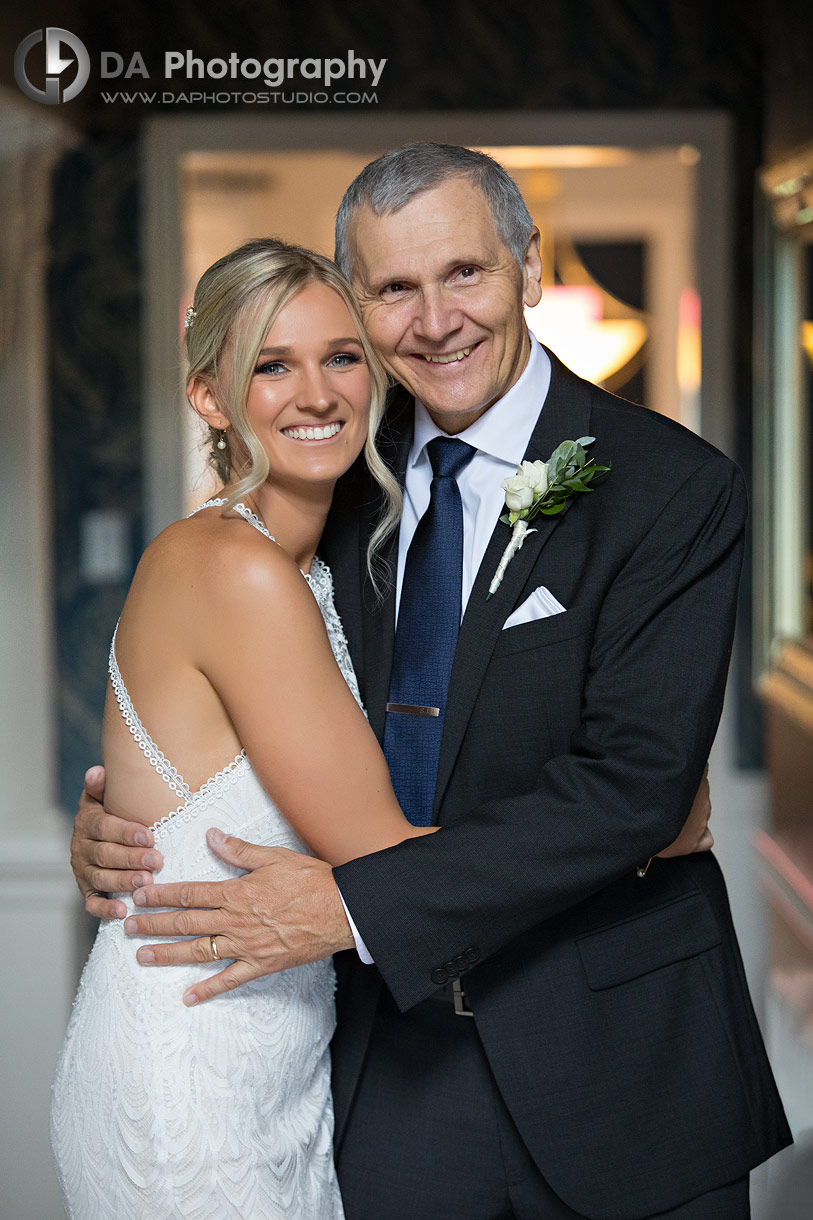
column 436, row 316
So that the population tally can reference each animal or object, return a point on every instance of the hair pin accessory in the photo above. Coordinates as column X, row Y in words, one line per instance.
column 191, row 314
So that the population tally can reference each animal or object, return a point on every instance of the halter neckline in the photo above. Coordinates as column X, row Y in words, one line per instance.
column 156, row 757
column 248, row 515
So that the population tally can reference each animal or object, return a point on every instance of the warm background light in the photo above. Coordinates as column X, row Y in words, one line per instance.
column 569, row 320
column 807, row 339
column 688, row 344
column 565, row 156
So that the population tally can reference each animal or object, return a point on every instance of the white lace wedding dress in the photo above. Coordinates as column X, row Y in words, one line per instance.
column 218, row 1111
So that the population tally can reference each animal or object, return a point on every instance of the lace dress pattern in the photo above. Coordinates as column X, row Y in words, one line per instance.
column 222, row 1110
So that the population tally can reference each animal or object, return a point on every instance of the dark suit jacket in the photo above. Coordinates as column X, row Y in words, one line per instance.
column 613, row 1010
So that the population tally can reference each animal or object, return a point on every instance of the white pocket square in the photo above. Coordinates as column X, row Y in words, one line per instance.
column 541, row 604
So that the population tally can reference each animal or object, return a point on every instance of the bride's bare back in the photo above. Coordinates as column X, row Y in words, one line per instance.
column 222, row 647
column 158, row 650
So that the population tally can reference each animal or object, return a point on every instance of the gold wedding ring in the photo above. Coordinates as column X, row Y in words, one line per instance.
column 215, row 955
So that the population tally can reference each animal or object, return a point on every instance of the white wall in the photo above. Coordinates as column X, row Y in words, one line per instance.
column 37, row 899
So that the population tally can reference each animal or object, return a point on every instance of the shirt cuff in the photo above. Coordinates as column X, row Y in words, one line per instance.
column 361, row 948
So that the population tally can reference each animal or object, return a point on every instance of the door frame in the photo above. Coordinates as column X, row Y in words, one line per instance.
column 167, row 140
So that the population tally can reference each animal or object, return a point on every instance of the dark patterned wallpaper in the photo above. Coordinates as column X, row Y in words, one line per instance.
column 788, row 78
column 96, row 420
column 466, row 54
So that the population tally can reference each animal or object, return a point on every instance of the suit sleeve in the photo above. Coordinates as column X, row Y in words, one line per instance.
column 652, row 701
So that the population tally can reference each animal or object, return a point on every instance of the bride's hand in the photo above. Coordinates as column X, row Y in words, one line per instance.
column 286, row 911
column 107, row 853
column 695, row 835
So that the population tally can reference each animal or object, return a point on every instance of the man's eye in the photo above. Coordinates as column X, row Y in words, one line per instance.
column 467, row 273
column 393, row 289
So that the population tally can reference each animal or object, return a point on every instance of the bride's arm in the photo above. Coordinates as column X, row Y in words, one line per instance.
column 264, row 648
column 274, row 671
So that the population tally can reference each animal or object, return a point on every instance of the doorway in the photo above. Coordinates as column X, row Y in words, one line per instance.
column 632, row 210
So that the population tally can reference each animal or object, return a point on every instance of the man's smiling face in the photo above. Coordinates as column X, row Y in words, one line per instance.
column 442, row 298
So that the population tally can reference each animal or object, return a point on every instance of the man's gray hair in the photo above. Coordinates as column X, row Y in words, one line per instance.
column 391, row 181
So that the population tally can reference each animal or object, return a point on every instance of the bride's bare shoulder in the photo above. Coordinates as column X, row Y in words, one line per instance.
column 211, row 558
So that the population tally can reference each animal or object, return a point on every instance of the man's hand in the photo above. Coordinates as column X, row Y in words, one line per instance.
column 286, row 911
column 107, row 853
column 695, row 835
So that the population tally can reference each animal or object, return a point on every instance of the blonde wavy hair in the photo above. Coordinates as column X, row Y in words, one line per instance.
column 237, row 301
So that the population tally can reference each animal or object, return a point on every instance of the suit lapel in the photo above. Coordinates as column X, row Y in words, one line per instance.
column 565, row 416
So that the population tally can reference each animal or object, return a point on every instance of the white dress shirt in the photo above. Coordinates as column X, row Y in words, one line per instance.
column 499, row 438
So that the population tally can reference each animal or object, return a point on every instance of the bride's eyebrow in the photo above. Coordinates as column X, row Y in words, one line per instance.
column 286, row 351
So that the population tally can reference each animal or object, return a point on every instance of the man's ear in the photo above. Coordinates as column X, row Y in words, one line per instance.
column 532, row 271
column 201, row 399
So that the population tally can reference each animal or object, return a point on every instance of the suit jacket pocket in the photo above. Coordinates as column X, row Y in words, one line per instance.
column 661, row 936
column 550, row 630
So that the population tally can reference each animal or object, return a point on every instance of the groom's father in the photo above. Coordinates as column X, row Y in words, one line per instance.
column 561, row 1030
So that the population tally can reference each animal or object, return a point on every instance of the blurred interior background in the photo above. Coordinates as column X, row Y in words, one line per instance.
column 666, row 152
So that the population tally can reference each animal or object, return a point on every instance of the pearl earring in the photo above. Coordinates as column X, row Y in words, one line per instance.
column 221, row 444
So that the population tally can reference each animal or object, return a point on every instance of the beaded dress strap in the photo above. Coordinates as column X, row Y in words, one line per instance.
column 247, row 515
column 241, row 508
column 145, row 743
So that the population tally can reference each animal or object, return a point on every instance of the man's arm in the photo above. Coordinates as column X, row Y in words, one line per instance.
column 286, row 911
column 108, row 853
column 651, row 707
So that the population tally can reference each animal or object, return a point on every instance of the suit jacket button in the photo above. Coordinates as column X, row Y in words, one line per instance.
column 460, row 964
column 471, row 955
column 451, row 969
column 439, row 976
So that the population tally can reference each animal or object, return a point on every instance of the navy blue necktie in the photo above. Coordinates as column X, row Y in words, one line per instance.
column 425, row 639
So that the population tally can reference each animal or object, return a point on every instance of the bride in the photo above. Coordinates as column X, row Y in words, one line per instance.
column 232, row 703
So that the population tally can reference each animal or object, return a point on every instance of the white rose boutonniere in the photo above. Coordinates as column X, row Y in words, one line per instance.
column 528, row 484
column 544, row 487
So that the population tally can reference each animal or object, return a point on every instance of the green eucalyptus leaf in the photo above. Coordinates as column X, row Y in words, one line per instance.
column 570, row 472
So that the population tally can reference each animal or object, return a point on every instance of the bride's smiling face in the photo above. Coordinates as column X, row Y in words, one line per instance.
column 309, row 397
